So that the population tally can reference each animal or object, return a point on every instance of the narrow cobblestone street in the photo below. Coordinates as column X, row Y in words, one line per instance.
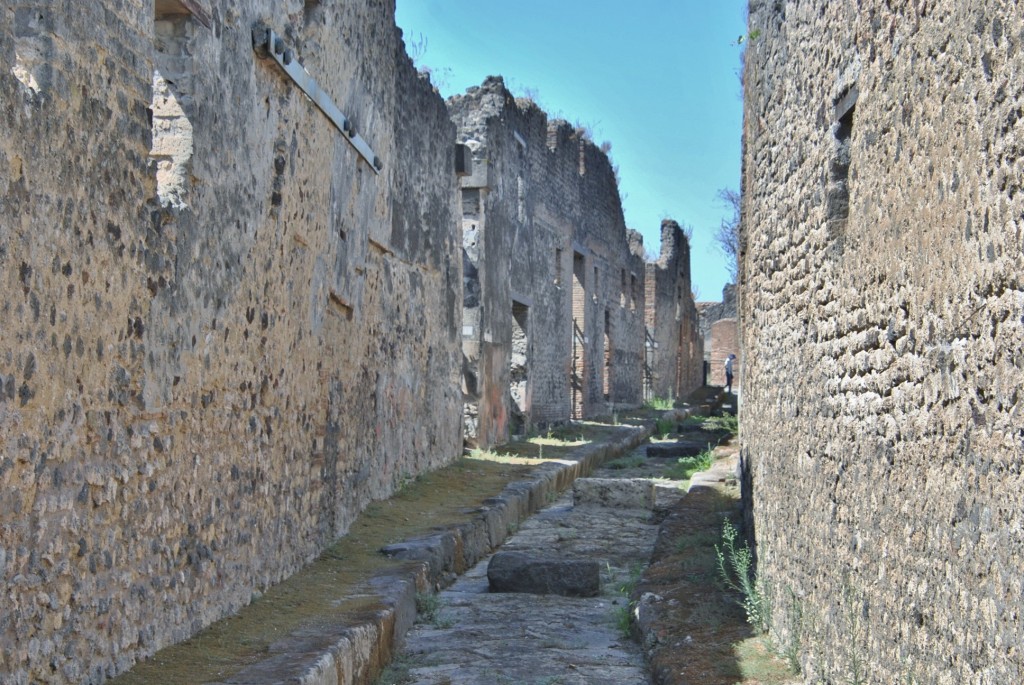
column 478, row 637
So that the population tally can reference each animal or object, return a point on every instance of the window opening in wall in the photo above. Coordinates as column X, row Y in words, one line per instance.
column 519, row 369
column 838, row 202
column 579, row 308
column 679, row 302
column 558, row 266
column 521, row 199
column 680, row 368
column 649, row 349
column 593, row 286
column 312, row 11
column 607, row 355
column 172, row 135
column 633, row 297
column 622, row 290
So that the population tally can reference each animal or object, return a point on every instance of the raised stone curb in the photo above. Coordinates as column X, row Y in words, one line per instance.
column 355, row 648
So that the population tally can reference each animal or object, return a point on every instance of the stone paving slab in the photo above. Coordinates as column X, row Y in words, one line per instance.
column 488, row 638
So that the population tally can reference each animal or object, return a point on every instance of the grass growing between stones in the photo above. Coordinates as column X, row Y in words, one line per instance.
column 759, row 664
column 562, row 441
column 660, row 403
column 320, row 594
column 397, row 672
column 663, row 427
column 428, row 610
column 623, row 614
column 685, row 467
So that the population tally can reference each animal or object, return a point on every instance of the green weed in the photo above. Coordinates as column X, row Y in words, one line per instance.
column 624, row 614
column 624, row 619
column 726, row 423
column 428, row 610
column 737, row 572
column 685, row 467
column 660, row 403
column 662, row 427
column 396, row 673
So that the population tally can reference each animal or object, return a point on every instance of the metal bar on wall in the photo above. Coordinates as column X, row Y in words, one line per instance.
column 270, row 45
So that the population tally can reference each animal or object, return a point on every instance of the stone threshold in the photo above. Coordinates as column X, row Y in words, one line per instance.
column 354, row 647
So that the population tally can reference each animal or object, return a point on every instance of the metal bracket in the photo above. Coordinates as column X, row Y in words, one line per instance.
column 268, row 44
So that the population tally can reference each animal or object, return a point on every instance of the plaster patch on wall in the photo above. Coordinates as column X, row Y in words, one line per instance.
column 172, row 129
column 33, row 45
column 27, row 60
column 172, row 144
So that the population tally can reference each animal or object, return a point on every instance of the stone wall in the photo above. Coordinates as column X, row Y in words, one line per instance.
column 223, row 334
column 724, row 341
column 673, row 347
column 553, row 287
column 881, row 301
column 710, row 312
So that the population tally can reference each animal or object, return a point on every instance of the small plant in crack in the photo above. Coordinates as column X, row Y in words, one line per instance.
column 428, row 610
column 737, row 572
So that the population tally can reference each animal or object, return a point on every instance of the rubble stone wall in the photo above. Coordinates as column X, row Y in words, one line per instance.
column 883, row 336
column 724, row 341
column 674, row 350
column 710, row 312
column 223, row 334
column 542, row 232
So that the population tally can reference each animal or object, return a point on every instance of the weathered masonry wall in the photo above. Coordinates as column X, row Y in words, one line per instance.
column 223, row 334
column 881, row 305
column 553, row 320
column 724, row 341
column 673, row 348
column 710, row 312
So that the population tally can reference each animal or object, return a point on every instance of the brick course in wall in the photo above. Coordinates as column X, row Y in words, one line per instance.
column 223, row 334
column 881, row 309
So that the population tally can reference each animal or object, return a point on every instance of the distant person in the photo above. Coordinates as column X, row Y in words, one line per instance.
column 728, row 373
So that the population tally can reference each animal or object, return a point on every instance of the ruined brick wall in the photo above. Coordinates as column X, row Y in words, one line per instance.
column 882, row 330
column 710, row 312
column 673, row 348
column 223, row 334
column 543, row 235
column 724, row 341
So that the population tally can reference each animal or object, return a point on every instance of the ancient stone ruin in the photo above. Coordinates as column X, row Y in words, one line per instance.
column 719, row 328
column 225, row 331
column 250, row 280
column 559, row 307
column 881, row 316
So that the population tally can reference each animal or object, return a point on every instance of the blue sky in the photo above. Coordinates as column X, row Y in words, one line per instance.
column 656, row 78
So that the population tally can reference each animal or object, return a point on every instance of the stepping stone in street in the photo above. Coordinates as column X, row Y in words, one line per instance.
column 679, row 448
column 619, row 493
column 518, row 572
